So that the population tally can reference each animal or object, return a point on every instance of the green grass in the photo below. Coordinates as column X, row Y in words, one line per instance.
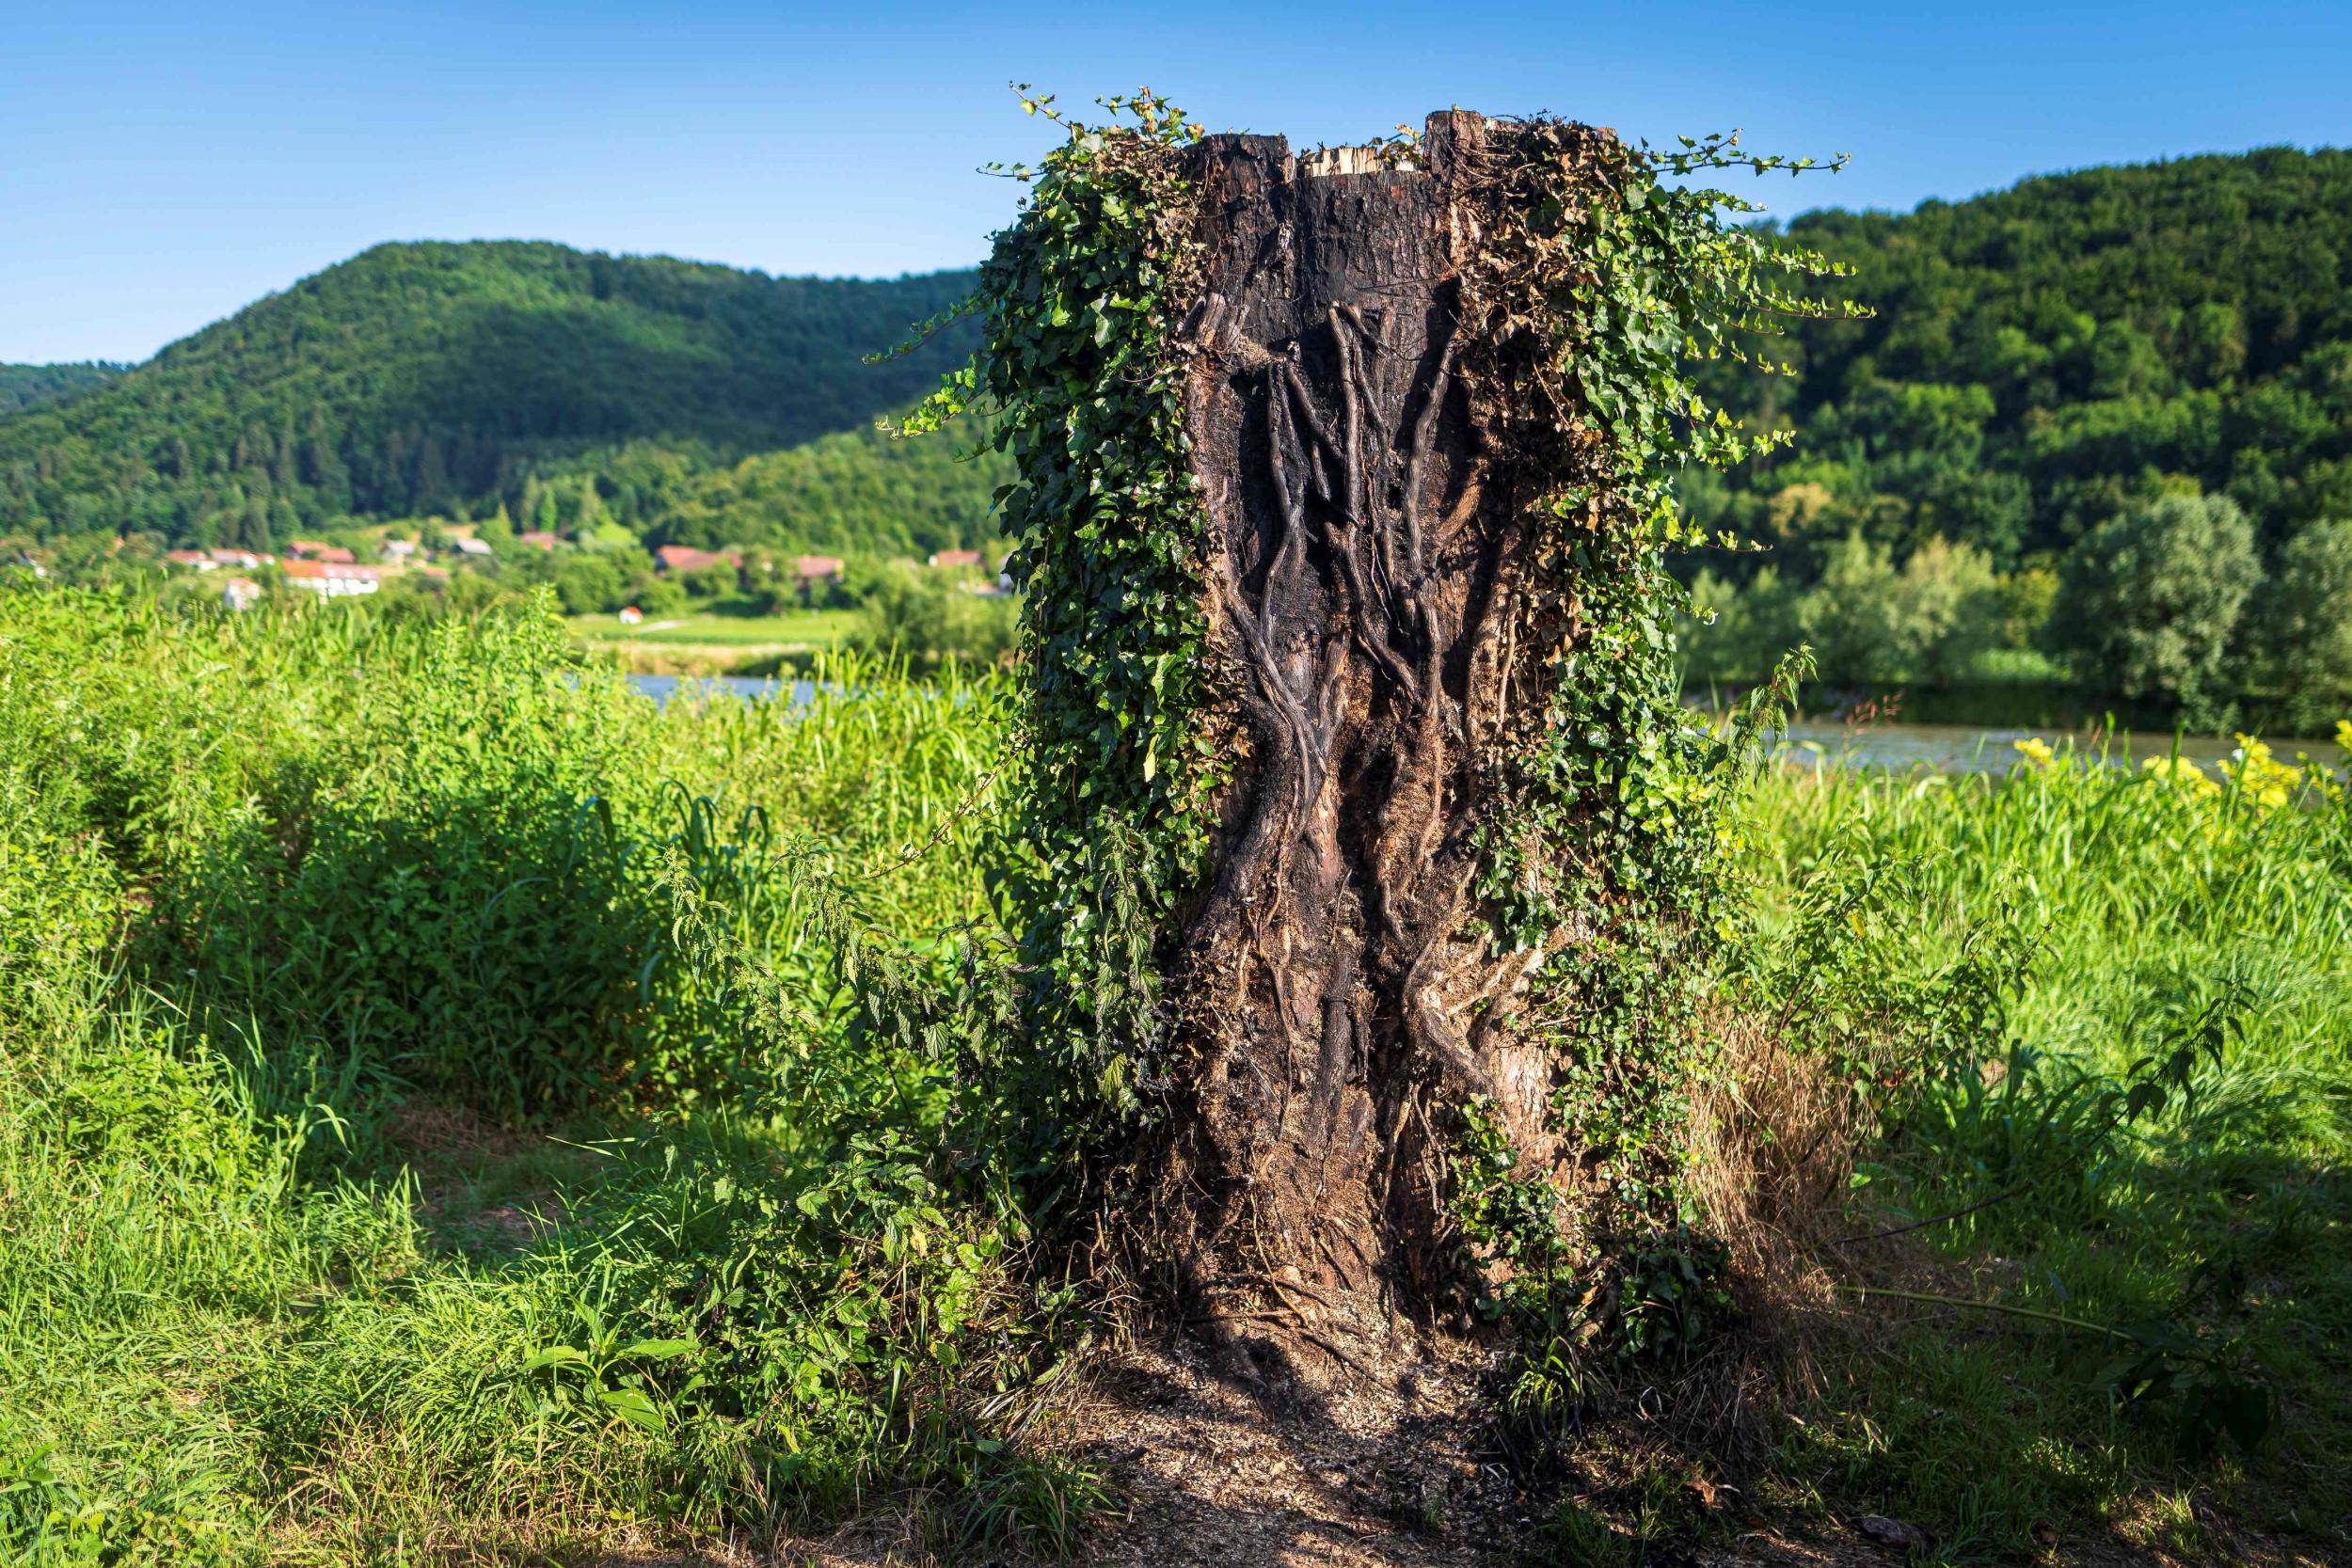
column 366, row 1201
column 432, row 1124
column 2144, row 901
column 793, row 629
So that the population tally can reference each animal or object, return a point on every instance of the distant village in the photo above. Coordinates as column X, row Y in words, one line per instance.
column 331, row 571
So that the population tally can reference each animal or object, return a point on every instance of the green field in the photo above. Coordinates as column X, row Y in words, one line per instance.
column 435, row 1127
column 718, row 642
column 794, row 629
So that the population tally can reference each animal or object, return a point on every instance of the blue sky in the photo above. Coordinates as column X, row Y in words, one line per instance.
column 163, row 163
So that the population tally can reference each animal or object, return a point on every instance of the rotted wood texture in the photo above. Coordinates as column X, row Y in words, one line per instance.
column 1368, row 570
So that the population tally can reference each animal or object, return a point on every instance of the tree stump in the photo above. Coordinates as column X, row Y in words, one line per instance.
column 1384, row 639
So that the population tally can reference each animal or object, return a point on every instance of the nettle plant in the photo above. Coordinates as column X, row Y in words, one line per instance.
column 1361, row 831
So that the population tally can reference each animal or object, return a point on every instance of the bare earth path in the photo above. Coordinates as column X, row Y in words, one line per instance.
column 1211, row 1474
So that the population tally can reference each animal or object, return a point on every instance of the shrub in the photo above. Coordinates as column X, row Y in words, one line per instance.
column 447, row 884
column 711, row 581
column 2149, row 603
column 1849, row 615
column 2026, row 597
column 587, row 582
column 2302, row 626
column 1948, row 611
column 928, row 616
column 1869, row 623
column 1751, row 627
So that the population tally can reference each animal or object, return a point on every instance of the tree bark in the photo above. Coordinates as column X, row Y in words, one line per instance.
column 1380, row 632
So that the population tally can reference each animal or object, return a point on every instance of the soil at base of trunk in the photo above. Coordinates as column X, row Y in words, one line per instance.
column 1216, row 1472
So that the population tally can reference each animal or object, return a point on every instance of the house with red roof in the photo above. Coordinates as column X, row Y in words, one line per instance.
column 333, row 580
column 815, row 572
column 677, row 559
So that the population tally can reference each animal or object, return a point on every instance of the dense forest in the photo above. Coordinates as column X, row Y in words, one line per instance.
column 29, row 385
column 416, row 378
column 863, row 492
column 2098, row 425
column 2046, row 356
column 2104, row 416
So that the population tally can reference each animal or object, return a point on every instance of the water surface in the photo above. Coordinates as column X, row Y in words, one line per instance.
column 753, row 688
column 1974, row 748
column 1945, row 748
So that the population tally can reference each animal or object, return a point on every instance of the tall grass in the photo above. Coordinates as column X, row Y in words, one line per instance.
column 434, row 1122
column 428, row 1115
column 2148, row 896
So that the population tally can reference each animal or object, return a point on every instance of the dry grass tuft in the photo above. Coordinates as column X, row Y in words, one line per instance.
column 1774, row 1136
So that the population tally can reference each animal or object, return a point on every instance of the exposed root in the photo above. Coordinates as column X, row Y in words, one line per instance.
column 1366, row 596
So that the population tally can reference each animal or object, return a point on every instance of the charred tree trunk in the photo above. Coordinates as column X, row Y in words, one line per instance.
column 1375, row 609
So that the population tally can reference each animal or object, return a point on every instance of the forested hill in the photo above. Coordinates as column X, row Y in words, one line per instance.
column 422, row 378
column 2046, row 356
column 2042, row 359
column 855, row 493
column 26, row 386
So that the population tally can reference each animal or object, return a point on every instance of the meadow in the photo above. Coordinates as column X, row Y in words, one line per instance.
column 452, row 1109
column 2187, row 1245
column 715, row 643
column 803, row 630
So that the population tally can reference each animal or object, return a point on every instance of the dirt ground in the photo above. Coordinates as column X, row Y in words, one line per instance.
column 1211, row 1472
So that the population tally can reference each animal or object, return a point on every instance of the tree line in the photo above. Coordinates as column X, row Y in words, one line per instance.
column 432, row 377
column 30, row 386
column 2100, row 419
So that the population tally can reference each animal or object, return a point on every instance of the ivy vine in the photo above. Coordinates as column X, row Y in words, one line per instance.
column 1604, row 271
column 1081, row 301
column 1604, row 276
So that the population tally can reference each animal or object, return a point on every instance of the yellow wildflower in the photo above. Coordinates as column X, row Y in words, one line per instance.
column 2037, row 751
column 2344, row 734
column 2184, row 774
column 2261, row 777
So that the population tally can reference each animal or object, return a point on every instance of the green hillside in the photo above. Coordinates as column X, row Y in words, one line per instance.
column 2045, row 355
column 859, row 492
column 29, row 385
column 2099, row 427
column 2096, row 442
column 425, row 376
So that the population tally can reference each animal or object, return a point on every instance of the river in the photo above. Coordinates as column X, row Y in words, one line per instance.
column 1969, row 749
column 1945, row 748
column 757, row 688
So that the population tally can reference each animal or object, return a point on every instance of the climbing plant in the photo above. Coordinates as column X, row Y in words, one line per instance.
column 1607, row 274
column 1081, row 301
column 1604, row 273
